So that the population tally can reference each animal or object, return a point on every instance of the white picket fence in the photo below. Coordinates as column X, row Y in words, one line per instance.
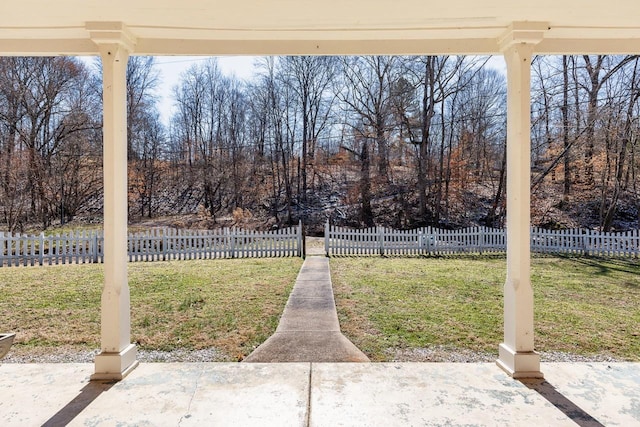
column 153, row 245
column 434, row 241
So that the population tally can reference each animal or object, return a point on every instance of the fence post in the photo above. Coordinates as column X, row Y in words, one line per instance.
column 301, row 248
column 165, row 241
column 381, row 239
column 41, row 250
column 232, row 242
column 585, row 237
column 95, row 248
column 326, row 238
column 25, row 249
column 9, row 241
column 480, row 238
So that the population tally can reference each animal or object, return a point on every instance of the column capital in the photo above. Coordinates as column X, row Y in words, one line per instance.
column 111, row 35
column 522, row 32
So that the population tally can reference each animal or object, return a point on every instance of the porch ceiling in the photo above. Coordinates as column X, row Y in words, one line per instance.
column 217, row 27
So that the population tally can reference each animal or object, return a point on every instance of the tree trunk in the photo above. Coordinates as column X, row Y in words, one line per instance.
column 491, row 216
column 621, row 160
column 366, row 213
column 565, row 127
column 383, row 152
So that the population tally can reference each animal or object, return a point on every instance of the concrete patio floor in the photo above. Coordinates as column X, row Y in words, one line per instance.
column 320, row 394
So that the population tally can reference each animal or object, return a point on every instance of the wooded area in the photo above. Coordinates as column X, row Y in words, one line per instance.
column 361, row 141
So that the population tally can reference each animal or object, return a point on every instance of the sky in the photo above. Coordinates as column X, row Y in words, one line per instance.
column 172, row 67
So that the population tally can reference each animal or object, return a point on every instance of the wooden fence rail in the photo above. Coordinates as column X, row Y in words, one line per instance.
column 434, row 241
column 152, row 245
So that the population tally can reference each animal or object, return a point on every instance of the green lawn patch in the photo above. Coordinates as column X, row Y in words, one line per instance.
column 232, row 305
column 584, row 306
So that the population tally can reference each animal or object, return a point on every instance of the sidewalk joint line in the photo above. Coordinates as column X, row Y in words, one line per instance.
column 308, row 423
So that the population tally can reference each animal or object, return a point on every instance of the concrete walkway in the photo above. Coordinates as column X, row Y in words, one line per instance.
column 309, row 330
column 320, row 394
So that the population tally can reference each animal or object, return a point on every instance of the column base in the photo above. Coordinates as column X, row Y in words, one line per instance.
column 524, row 364
column 115, row 366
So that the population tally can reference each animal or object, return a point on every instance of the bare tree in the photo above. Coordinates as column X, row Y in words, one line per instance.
column 145, row 133
column 210, row 143
column 367, row 96
column 599, row 70
column 42, row 115
column 311, row 78
column 620, row 135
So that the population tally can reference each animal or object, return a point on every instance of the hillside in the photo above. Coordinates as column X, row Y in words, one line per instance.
column 394, row 205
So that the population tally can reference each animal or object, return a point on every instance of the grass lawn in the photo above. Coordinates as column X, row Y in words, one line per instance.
column 584, row 306
column 232, row 305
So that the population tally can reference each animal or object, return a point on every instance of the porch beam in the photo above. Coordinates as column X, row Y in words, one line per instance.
column 118, row 355
column 516, row 354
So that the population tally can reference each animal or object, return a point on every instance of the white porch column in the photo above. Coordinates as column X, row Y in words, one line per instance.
column 516, row 354
column 118, row 355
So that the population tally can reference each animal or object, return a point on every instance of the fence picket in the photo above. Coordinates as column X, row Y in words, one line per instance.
column 434, row 241
column 150, row 245
column 167, row 244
